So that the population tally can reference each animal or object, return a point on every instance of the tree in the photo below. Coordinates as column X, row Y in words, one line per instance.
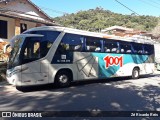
column 98, row 19
column 156, row 30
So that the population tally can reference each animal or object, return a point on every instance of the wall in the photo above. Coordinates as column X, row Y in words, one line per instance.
column 25, row 7
column 11, row 26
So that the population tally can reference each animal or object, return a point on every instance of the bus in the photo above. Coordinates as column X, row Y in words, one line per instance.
column 157, row 55
column 60, row 55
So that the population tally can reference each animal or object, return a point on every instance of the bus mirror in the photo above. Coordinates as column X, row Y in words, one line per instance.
column 7, row 48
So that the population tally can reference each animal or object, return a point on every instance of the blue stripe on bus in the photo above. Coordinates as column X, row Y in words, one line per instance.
column 110, row 71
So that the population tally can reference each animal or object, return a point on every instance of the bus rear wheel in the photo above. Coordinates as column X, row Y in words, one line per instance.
column 63, row 79
column 135, row 73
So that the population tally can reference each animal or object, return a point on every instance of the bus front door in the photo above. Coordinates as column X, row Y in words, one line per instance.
column 33, row 72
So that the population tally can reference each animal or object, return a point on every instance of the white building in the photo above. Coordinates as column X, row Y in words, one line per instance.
column 16, row 16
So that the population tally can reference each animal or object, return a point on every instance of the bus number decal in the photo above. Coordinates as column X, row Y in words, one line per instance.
column 110, row 61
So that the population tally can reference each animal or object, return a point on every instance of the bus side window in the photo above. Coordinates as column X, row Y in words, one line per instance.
column 36, row 50
column 138, row 48
column 125, row 48
column 111, row 47
column 46, row 41
column 71, row 42
column 148, row 49
column 31, row 50
column 93, row 44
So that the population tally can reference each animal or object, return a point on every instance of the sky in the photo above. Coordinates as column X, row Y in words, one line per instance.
column 56, row 8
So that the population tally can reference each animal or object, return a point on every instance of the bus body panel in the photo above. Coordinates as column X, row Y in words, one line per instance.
column 86, row 65
column 34, row 73
column 92, row 66
column 14, row 76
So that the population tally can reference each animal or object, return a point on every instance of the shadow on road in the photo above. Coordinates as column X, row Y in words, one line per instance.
column 116, row 94
column 52, row 87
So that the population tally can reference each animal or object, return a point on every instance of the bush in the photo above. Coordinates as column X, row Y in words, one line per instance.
column 2, row 78
column 3, row 67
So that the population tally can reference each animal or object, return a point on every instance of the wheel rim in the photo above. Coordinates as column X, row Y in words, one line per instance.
column 63, row 79
column 136, row 73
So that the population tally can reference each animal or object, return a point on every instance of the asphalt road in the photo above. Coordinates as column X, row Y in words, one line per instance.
column 117, row 94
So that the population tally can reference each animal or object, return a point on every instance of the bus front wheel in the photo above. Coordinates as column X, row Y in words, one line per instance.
column 135, row 73
column 63, row 79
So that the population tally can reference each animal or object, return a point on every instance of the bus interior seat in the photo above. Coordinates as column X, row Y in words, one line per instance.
column 114, row 49
column 108, row 50
column 92, row 48
column 128, row 51
column 122, row 50
column 97, row 49
column 88, row 48
column 146, row 52
column 140, row 51
column 77, row 47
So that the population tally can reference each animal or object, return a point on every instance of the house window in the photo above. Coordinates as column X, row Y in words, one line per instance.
column 23, row 27
column 3, row 29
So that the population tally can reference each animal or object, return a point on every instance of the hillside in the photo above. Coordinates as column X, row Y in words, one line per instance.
column 98, row 19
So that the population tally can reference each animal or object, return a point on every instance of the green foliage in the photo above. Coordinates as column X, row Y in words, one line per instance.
column 98, row 19
column 156, row 30
column 3, row 67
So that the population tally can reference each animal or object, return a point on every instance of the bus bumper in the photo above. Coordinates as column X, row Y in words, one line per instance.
column 12, row 79
column 158, row 66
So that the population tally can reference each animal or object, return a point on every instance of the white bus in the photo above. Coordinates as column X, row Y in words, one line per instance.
column 61, row 55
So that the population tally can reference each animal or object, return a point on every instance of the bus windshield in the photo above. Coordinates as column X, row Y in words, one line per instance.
column 13, row 59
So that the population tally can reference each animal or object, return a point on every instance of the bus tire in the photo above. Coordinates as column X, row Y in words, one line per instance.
column 135, row 73
column 63, row 78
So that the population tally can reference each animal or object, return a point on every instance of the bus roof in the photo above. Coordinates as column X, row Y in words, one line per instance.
column 93, row 34
column 71, row 30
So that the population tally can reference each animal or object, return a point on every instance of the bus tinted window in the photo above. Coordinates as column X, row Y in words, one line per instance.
column 48, row 35
column 71, row 42
column 125, row 48
column 148, row 49
column 47, row 40
column 32, row 50
column 111, row 47
column 138, row 48
column 93, row 44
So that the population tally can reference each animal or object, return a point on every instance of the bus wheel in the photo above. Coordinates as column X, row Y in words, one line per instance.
column 135, row 73
column 63, row 79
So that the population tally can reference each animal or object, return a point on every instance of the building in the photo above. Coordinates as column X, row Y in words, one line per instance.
column 122, row 31
column 16, row 16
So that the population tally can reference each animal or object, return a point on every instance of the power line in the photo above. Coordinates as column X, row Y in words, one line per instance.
column 55, row 11
column 150, row 4
column 155, row 2
column 126, row 7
